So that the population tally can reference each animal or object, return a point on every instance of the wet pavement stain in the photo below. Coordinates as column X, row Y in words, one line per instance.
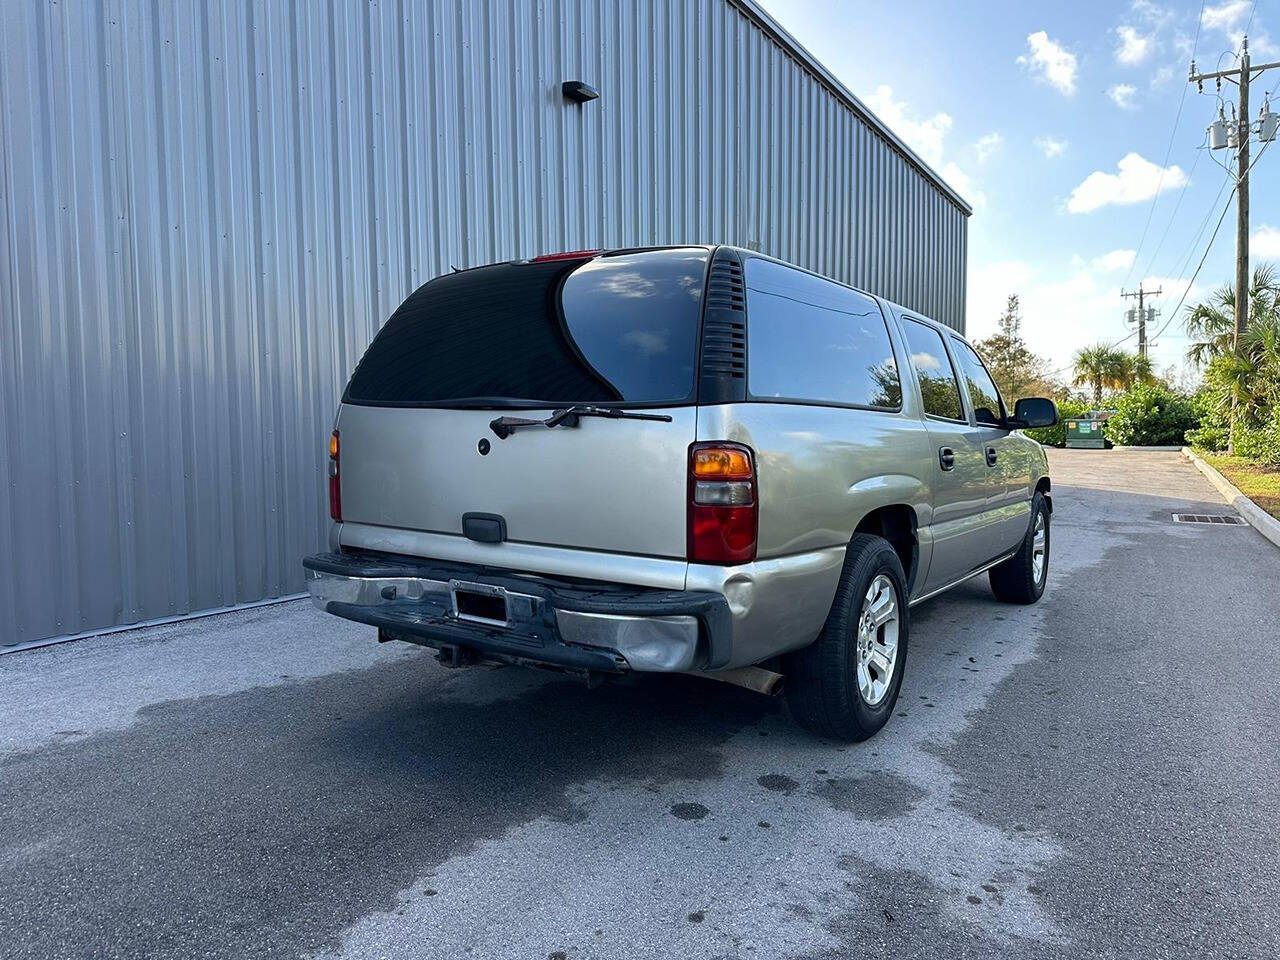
column 393, row 782
column 879, row 796
column 901, row 913
column 779, row 783
column 689, row 811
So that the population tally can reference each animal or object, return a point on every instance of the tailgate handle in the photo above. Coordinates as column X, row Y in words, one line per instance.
column 484, row 527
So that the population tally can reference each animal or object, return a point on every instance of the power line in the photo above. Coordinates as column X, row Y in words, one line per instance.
column 1184, row 260
column 1172, row 217
column 1223, row 216
column 1168, row 152
column 1190, row 283
column 1173, row 314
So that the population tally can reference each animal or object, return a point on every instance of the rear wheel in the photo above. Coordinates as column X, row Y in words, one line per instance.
column 845, row 684
column 1022, row 577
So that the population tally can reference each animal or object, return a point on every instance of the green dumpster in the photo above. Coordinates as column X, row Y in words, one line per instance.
column 1086, row 434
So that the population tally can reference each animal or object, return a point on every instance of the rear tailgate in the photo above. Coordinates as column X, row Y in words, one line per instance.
column 611, row 485
column 524, row 339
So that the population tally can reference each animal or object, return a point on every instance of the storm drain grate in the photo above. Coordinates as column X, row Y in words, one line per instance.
column 1208, row 518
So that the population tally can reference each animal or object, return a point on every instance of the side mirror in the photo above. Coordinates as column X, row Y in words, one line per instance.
column 1032, row 412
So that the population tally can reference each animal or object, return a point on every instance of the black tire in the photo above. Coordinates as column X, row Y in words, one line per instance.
column 822, row 679
column 1014, row 580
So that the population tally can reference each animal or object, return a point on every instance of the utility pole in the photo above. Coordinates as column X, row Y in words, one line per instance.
column 1142, row 314
column 1237, row 136
column 1242, row 202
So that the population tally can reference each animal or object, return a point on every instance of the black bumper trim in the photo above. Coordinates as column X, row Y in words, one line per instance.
column 710, row 608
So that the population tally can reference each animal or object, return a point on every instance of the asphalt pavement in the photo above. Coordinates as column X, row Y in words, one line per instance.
column 1094, row 776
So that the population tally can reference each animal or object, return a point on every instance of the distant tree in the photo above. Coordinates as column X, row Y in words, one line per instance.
column 1244, row 385
column 1016, row 370
column 1133, row 368
column 1212, row 325
column 1102, row 366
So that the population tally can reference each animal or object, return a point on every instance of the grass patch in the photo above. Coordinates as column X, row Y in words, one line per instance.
column 1259, row 484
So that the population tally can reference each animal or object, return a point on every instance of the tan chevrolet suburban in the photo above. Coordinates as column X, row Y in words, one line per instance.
column 685, row 459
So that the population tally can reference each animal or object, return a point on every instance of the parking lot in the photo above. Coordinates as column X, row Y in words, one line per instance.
column 1092, row 776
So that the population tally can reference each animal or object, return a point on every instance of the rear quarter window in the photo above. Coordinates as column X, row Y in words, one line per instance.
column 814, row 340
column 619, row 329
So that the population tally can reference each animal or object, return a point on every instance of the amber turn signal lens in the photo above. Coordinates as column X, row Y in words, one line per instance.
column 721, row 463
column 333, row 446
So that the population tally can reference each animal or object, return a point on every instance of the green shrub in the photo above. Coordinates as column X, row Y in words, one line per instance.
column 1150, row 415
column 1211, row 438
column 1056, row 436
column 1214, row 428
column 1260, row 444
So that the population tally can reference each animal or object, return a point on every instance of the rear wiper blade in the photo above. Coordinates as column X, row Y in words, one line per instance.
column 568, row 417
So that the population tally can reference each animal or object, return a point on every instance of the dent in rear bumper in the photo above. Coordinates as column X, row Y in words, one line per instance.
column 777, row 604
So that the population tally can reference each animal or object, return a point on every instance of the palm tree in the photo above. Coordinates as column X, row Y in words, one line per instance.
column 1101, row 366
column 1212, row 324
column 1134, row 368
column 1248, row 384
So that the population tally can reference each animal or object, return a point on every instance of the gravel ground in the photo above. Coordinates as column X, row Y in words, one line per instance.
column 1094, row 776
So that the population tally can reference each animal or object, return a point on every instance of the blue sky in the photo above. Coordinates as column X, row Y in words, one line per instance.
column 1054, row 121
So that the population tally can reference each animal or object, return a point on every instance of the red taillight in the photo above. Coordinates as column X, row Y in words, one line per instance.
column 566, row 255
column 723, row 504
column 335, row 480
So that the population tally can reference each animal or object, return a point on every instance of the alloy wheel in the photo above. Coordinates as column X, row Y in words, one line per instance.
column 877, row 652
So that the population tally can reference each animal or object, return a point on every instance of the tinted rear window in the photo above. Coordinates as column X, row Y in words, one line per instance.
column 810, row 339
column 616, row 329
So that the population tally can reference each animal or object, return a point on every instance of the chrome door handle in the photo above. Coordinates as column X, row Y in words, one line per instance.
column 947, row 458
column 991, row 456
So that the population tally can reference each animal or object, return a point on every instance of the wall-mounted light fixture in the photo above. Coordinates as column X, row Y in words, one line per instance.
column 578, row 91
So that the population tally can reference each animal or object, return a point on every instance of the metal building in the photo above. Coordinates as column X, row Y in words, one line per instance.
column 207, row 210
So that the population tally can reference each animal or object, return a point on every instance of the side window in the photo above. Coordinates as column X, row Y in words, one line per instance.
column 937, row 378
column 987, row 405
column 810, row 339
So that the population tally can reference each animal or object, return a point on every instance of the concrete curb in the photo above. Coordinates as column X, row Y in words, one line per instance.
column 1261, row 521
column 1172, row 449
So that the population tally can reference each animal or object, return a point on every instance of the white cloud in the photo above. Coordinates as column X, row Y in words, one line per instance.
column 1134, row 47
column 924, row 135
column 1050, row 146
column 1226, row 17
column 1136, row 179
column 1230, row 19
column 1265, row 242
column 964, row 185
column 1113, row 261
column 1151, row 13
column 927, row 137
column 1121, row 95
column 987, row 145
column 1050, row 62
column 1162, row 77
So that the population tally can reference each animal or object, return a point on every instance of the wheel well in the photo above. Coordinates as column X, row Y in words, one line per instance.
column 897, row 524
column 1043, row 486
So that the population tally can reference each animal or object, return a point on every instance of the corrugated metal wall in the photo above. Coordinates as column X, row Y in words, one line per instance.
column 207, row 210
